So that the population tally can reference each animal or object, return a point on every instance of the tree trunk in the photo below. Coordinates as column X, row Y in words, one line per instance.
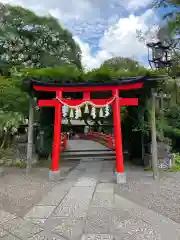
column 30, row 135
column 3, row 145
column 154, row 139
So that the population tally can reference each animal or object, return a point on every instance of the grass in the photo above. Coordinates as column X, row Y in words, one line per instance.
column 175, row 168
column 148, row 169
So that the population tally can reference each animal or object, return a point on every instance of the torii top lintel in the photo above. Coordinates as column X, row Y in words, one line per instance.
column 88, row 88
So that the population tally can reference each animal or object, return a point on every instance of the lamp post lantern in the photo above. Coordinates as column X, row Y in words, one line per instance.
column 159, row 55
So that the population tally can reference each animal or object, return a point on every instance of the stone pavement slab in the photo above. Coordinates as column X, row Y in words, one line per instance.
column 69, row 229
column 45, row 235
column 42, row 212
column 21, row 228
column 97, row 237
column 76, row 202
column 3, row 233
column 81, row 207
column 5, row 217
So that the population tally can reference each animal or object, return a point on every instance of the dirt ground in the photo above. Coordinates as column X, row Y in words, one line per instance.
column 18, row 192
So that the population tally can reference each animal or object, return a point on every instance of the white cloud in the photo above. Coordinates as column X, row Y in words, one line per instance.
column 136, row 4
column 89, row 61
column 119, row 39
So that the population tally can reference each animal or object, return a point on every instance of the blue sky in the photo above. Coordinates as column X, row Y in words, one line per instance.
column 102, row 28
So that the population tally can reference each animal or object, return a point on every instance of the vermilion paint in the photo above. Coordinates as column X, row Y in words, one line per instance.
column 57, row 134
column 88, row 88
column 118, row 133
column 117, row 103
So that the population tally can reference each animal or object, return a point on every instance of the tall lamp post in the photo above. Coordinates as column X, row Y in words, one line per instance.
column 159, row 57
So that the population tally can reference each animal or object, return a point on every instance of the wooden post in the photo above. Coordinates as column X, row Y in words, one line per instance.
column 154, row 138
column 162, row 115
column 142, row 135
column 30, row 136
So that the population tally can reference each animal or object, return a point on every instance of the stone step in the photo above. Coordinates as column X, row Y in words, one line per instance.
column 88, row 157
column 89, row 150
column 90, row 154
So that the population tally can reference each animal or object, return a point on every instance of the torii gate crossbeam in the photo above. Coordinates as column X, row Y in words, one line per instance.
column 116, row 102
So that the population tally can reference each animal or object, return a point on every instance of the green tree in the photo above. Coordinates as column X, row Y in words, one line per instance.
column 12, row 99
column 121, row 64
column 173, row 13
column 28, row 40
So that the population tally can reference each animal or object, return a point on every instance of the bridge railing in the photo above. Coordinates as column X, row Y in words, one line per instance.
column 105, row 139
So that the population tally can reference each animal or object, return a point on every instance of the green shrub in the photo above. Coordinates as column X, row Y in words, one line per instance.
column 176, row 157
column 8, row 152
column 6, row 156
column 175, row 168
column 20, row 164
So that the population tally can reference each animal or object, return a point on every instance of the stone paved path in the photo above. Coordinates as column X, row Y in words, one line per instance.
column 85, row 207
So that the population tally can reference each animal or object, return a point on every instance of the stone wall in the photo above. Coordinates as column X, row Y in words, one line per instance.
column 164, row 154
column 17, row 154
column 21, row 149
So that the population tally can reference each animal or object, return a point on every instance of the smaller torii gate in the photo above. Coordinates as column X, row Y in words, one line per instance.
column 116, row 101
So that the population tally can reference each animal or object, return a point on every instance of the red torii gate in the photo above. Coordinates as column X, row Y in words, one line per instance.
column 116, row 102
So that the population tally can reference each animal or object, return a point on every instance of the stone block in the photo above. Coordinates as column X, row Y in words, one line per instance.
column 105, row 187
column 3, row 233
column 103, row 199
column 54, row 176
column 97, row 237
column 5, row 217
column 97, row 221
column 40, row 212
column 69, row 229
column 22, row 228
column 45, row 235
column 121, row 178
column 86, row 182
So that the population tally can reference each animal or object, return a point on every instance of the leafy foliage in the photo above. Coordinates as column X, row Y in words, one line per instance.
column 177, row 158
column 9, row 124
column 173, row 15
column 32, row 41
column 11, row 96
column 68, row 74
column 120, row 64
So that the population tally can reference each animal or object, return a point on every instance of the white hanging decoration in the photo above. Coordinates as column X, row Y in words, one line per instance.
column 65, row 110
column 78, row 113
column 93, row 112
column 71, row 113
column 107, row 111
column 86, row 109
column 101, row 113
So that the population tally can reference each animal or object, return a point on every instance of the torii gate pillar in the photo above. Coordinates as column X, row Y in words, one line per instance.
column 115, row 100
column 121, row 177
